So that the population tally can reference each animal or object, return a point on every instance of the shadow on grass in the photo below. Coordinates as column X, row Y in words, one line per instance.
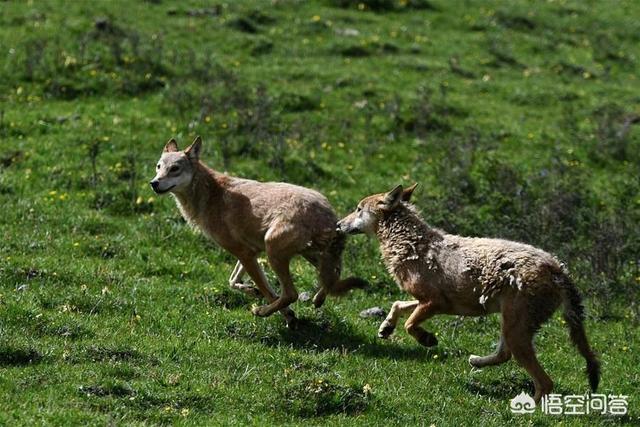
column 310, row 398
column 18, row 356
column 500, row 389
column 158, row 406
column 310, row 334
column 326, row 331
column 98, row 353
column 507, row 386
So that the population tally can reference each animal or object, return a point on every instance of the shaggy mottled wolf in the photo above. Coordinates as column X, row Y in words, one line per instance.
column 247, row 217
column 450, row 274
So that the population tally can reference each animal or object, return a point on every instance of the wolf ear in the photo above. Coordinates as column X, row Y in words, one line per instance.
column 392, row 198
column 170, row 146
column 193, row 151
column 407, row 192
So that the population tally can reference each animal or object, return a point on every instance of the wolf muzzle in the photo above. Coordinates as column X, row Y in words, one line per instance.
column 155, row 185
column 346, row 228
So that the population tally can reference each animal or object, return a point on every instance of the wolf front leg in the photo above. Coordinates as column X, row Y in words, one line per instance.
column 501, row 355
column 398, row 309
column 252, row 267
column 423, row 311
column 289, row 294
column 235, row 281
column 282, row 242
column 236, row 274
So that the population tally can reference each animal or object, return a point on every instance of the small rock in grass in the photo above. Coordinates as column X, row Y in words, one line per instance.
column 373, row 312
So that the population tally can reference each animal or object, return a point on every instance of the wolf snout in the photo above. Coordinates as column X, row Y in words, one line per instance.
column 154, row 185
column 343, row 227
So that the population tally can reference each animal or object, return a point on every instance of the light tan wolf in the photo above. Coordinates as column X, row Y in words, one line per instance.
column 449, row 274
column 248, row 217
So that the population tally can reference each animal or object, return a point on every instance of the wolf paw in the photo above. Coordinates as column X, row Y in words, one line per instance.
column 385, row 330
column 252, row 291
column 474, row 361
column 261, row 311
column 428, row 340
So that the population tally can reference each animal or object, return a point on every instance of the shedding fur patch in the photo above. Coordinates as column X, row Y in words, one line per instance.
column 405, row 237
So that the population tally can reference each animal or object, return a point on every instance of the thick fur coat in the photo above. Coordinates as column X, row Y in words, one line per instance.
column 247, row 217
column 449, row 274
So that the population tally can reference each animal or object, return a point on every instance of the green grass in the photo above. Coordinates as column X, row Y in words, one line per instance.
column 516, row 118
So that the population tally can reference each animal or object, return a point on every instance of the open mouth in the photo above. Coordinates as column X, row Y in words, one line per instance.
column 165, row 190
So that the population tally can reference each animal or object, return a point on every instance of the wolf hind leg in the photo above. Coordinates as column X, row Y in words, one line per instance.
column 329, row 269
column 521, row 320
column 522, row 349
column 321, row 294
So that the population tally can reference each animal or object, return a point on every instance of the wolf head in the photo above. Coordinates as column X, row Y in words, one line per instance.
column 175, row 168
column 372, row 209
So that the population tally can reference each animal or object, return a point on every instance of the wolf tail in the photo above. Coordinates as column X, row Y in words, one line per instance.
column 574, row 317
column 331, row 266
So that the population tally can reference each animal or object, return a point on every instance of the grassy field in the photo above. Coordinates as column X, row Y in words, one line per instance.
column 517, row 118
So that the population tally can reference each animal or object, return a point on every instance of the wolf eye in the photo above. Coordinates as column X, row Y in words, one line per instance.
column 158, row 166
column 173, row 169
column 358, row 209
